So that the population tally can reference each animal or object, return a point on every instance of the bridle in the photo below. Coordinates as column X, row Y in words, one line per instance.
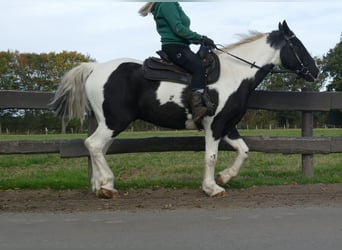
column 303, row 71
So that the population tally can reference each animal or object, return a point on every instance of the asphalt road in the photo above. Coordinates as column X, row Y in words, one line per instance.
column 267, row 228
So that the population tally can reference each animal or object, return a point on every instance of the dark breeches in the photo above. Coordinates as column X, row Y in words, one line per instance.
column 188, row 60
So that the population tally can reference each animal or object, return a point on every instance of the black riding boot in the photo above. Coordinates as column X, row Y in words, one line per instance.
column 197, row 106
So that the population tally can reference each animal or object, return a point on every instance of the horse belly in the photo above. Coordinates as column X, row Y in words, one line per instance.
column 167, row 116
column 168, row 108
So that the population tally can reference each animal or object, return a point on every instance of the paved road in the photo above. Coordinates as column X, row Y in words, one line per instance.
column 272, row 228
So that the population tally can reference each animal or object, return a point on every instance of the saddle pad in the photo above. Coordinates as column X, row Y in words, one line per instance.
column 160, row 69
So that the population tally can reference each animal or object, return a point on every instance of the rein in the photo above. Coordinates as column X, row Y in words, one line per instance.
column 254, row 65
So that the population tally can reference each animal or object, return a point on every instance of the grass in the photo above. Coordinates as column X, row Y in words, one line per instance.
column 168, row 169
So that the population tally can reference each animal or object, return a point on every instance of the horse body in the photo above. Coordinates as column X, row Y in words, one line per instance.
column 118, row 94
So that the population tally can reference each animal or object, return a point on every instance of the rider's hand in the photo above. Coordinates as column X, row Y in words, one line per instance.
column 208, row 42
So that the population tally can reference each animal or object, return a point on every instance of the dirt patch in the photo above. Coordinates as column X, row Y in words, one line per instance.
column 69, row 201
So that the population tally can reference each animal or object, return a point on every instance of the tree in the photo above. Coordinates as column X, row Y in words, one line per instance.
column 33, row 72
column 332, row 66
column 37, row 72
column 332, row 74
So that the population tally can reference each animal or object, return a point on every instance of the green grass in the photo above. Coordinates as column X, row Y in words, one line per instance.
column 168, row 169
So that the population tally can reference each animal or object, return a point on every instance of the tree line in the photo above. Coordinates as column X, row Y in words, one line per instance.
column 42, row 72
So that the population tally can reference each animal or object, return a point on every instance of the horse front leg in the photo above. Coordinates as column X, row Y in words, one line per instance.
column 241, row 148
column 209, row 185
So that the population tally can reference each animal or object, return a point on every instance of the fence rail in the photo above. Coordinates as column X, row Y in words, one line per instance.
column 307, row 145
column 75, row 147
column 269, row 100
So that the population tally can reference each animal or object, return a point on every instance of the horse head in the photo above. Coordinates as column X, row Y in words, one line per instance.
column 294, row 56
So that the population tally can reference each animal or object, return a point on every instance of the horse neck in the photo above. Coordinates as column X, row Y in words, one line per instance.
column 257, row 51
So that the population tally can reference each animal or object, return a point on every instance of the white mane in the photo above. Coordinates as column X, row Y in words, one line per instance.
column 247, row 38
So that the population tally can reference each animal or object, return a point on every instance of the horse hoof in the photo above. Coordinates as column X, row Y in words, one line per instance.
column 107, row 194
column 220, row 194
column 219, row 180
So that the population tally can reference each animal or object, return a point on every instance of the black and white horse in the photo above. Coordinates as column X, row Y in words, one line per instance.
column 118, row 94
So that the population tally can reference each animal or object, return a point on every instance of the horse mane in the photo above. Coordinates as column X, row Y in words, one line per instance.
column 250, row 37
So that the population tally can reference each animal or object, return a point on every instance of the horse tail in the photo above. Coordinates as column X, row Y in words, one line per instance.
column 70, row 100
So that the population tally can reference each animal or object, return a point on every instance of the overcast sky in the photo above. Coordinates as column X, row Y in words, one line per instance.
column 107, row 29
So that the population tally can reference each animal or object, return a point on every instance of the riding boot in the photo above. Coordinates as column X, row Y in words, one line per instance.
column 208, row 103
column 197, row 106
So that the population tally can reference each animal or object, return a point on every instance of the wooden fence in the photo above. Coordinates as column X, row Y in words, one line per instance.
column 307, row 102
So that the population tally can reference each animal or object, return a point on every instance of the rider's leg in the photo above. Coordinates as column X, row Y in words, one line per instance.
column 185, row 58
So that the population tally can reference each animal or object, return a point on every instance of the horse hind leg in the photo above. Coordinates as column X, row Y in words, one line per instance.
column 242, row 149
column 102, row 179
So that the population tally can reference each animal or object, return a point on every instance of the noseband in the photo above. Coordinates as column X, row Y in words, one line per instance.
column 303, row 71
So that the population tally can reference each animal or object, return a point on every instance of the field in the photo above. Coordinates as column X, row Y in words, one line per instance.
column 169, row 169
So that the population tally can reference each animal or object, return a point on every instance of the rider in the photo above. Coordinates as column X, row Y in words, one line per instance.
column 173, row 25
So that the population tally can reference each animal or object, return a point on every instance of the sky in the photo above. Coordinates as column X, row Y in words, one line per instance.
column 107, row 29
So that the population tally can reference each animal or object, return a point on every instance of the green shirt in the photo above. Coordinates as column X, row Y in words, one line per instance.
column 173, row 25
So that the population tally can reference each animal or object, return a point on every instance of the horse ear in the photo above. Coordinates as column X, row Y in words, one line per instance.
column 286, row 27
column 280, row 26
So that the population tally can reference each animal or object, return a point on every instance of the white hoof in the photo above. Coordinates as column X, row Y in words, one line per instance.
column 213, row 190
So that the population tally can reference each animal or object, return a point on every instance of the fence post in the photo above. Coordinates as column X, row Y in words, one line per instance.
column 91, row 128
column 307, row 131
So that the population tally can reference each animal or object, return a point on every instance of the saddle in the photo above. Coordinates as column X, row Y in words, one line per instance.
column 163, row 69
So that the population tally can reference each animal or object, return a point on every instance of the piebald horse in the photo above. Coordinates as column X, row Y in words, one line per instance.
column 118, row 94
